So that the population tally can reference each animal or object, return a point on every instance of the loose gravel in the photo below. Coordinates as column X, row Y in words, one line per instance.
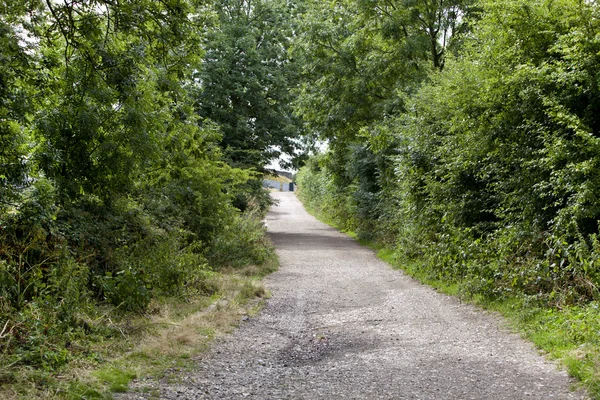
column 341, row 324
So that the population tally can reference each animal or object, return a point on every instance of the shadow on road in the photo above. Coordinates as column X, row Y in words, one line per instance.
column 329, row 239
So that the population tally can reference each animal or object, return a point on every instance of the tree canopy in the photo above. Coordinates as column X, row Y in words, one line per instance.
column 244, row 83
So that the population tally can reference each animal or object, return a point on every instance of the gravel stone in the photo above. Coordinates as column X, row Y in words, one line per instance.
column 341, row 324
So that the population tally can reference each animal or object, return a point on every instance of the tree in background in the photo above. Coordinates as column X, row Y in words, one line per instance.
column 356, row 57
column 244, row 83
column 17, row 92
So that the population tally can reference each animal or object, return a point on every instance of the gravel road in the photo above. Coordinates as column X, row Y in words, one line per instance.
column 341, row 324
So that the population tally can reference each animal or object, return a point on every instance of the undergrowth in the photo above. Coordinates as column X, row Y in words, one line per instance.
column 67, row 331
column 147, row 346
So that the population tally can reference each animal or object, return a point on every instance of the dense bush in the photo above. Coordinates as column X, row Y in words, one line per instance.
column 114, row 190
column 501, row 150
column 319, row 193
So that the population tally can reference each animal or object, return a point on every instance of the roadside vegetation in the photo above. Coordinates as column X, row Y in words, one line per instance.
column 130, row 201
column 470, row 160
column 147, row 346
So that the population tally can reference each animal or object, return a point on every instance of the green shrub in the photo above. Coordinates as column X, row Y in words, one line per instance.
column 242, row 242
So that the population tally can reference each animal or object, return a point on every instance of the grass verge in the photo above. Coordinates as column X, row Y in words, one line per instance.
column 147, row 347
column 570, row 335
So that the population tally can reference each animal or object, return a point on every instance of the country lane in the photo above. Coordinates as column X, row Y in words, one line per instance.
column 341, row 324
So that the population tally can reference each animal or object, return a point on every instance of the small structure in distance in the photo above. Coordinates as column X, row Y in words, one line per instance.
column 279, row 180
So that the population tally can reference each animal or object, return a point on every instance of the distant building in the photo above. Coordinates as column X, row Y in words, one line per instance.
column 281, row 186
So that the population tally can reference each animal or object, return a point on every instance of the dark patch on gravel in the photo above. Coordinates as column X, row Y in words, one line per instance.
column 322, row 346
column 342, row 325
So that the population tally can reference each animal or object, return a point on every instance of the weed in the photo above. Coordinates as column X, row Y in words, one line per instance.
column 116, row 378
column 101, row 348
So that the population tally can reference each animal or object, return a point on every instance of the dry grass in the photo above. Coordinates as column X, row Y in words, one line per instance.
column 177, row 335
column 164, row 339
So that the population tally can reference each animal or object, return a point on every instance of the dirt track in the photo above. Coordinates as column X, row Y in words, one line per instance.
column 342, row 324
